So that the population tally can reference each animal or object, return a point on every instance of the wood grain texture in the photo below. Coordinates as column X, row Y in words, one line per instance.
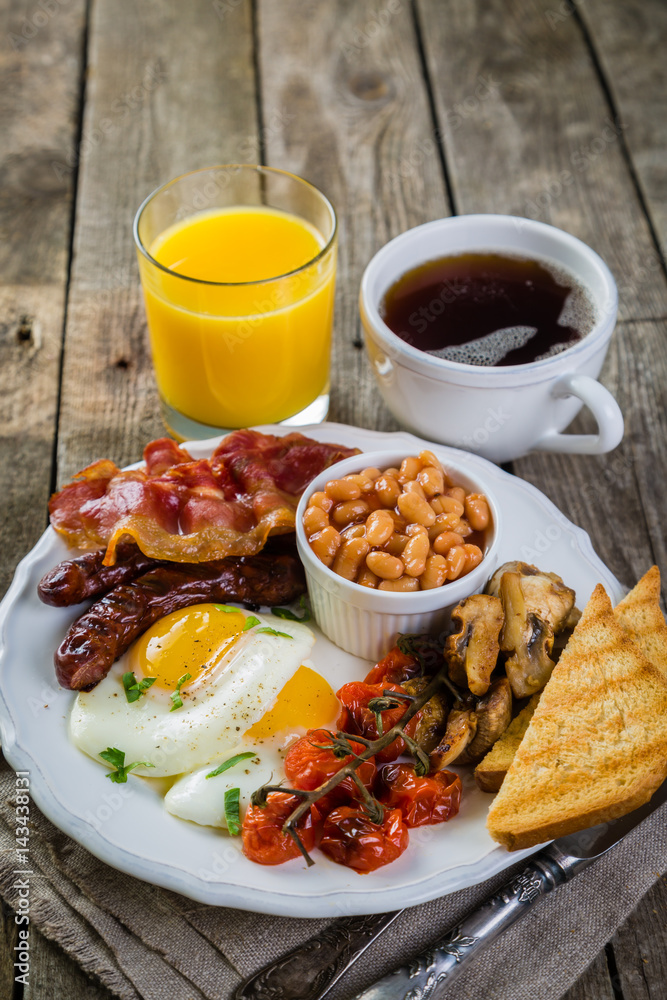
column 595, row 984
column 39, row 55
column 640, row 948
column 166, row 93
column 540, row 61
column 344, row 103
column 629, row 39
column 626, row 487
column 344, row 78
column 528, row 131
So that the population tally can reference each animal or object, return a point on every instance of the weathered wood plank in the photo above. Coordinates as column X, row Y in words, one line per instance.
column 54, row 974
column 163, row 96
column 544, row 111
column 629, row 38
column 640, row 948
column 527, row 131
column 621, row 488
column 524, row 103
column 40, row 56
column 594, row 984
column 386, row 171
column 344, row 82
column 619, row 498
column 166, row 93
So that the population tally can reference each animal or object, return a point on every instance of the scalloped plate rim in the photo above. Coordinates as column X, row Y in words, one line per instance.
column 350, row 901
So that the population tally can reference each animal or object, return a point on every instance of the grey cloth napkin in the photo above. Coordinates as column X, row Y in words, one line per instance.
column 149, row 943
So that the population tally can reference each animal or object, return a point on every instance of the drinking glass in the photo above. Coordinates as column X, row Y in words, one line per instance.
column 231, row 354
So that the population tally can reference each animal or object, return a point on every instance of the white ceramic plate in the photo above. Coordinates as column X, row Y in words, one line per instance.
column 127, row 826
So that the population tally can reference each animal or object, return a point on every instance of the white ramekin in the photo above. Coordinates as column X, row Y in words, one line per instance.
column 366, row 622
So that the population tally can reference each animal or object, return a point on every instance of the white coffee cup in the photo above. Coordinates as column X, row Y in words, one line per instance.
column 500, row 412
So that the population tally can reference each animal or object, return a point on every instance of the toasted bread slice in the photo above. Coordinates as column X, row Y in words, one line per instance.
column 490, row 772
column 640, row 614
column 596, row 747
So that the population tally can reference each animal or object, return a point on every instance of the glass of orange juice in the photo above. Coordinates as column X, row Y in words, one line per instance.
column 238, row 267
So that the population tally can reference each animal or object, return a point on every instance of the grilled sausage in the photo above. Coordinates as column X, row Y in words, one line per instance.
column 100, row 636
column 76, row 580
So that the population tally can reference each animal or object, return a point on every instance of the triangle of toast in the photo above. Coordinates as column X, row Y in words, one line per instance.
column 596, row 746
column 640, row 615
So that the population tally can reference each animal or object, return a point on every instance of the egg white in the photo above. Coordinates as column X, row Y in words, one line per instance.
column 214, row 716
column 202, row 800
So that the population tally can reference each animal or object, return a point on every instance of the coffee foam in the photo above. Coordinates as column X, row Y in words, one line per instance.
column 490, row 349
column 578, row 313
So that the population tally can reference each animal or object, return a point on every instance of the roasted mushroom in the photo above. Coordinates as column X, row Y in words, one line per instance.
column 494, row 714
column 432, row 716
column 537, row 606
column 564, row 636
column 472, row 652
column 493, row 586
column 572, row 620
column 546, row 592
column 461, row 729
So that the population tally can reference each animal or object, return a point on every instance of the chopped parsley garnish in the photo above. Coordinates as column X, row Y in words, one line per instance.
column 133, row 688
column 116, row 757
column 252, row 620
column 290, row 616
column 233, row 810
column 230, row 763
column 176, row 700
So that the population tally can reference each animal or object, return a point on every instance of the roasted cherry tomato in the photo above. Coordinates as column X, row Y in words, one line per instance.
column 263, row 838
column 396, row 667
column 358, row 719
column 433, row 799
column 351, row 839
column 308, row 766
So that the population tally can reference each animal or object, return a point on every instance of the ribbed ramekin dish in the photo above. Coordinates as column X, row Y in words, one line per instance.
column 363, row 621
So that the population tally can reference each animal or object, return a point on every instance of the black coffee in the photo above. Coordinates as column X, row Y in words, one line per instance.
column 488, row 309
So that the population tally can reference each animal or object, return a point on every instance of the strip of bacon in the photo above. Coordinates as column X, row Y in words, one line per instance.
column 187, row 510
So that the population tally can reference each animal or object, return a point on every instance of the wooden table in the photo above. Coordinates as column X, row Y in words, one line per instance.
column 401, row 112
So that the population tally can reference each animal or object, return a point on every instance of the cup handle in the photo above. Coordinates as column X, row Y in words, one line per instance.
column 604, row 408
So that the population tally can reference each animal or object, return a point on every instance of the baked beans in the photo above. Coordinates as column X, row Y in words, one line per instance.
column 379, row 527
column 315, row 519
column 399, row 529
column 350, row 557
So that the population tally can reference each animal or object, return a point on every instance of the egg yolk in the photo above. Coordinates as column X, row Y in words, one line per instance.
column 190, row 641
column 306, row 700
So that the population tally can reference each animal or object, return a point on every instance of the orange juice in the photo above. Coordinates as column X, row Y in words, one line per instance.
column 240, row 315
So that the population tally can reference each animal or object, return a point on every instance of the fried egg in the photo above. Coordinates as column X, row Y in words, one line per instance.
column 201, row 799
column 215, row 672
column 306, row 702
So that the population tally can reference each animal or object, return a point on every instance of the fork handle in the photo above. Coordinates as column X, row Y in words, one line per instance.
column 432, row 972
column 310, row 970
